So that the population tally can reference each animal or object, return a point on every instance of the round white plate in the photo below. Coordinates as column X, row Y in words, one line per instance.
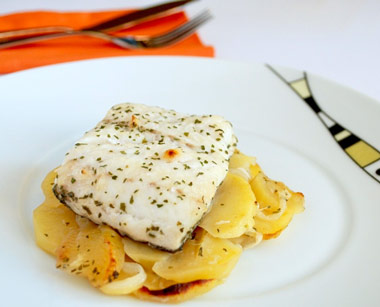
column 328, row 256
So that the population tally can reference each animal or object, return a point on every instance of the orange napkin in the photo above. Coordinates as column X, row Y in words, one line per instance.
column 79, row 47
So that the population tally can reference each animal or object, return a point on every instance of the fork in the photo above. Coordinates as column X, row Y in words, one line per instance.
column 129, row 42
column 119, row 22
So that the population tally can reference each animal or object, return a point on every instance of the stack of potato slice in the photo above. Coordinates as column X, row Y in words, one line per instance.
column 247, row 208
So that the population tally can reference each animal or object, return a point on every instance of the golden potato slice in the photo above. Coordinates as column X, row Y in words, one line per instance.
column 147, row 256
column 254, row 170
column 208, row 258
column 177, row 293
column 154, row 282
column 47, row 189
column 51, row 226
column 142, row 253
column 297, row 202
column 244, row 166
column 239, row 160
column 85, row 249
column 232, row 209
column 270, row 236
column 270, row 194
column 52, row 220
column 95, row 252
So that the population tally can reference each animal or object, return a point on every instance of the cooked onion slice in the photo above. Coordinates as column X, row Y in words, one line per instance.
column 134, row 280
column 242, row 172
column 249, row 239
column 284, row 196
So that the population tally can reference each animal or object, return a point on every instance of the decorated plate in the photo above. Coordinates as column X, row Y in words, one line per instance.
column 316, row 136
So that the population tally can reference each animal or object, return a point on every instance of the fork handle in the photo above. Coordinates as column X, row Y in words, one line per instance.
column 33, row 31
column 8, row 43
column 23, row 41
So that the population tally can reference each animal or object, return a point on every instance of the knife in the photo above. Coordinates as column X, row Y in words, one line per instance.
column 120, row 22
column 130, row 19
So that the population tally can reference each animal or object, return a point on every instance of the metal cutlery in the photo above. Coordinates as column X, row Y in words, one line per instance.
column 120, row 22
column 129, row 42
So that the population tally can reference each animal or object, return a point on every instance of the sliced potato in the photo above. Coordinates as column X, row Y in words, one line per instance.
column 272, row 235
column 244, row 166
column 254, row 170
column 47, row 188
column 232, row 210
column 154, row 282
column 95, row 252
column 177, row 293
column 52, row 220
column 147, row 256
column 269, row 193
column 240, row 164
column 297, row 202
column 51, row 225
column 142, row 253
column 208, row 258
column 240, row 160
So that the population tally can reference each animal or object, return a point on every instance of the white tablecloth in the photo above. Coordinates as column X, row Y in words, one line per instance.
column 338, row 39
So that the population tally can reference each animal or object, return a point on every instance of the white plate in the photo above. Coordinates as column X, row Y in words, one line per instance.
column 328, row 256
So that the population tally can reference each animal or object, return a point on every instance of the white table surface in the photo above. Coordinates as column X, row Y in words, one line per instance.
column 338, row 39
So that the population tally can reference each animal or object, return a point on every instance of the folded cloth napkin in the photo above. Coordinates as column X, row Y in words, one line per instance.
column 79, row 47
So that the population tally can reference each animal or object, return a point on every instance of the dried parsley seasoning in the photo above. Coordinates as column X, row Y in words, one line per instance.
column 123, row 207
column 87, row 209
column 200, row 252
column 98, row 203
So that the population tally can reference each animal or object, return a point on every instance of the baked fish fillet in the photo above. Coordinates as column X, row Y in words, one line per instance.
column 148, row 172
